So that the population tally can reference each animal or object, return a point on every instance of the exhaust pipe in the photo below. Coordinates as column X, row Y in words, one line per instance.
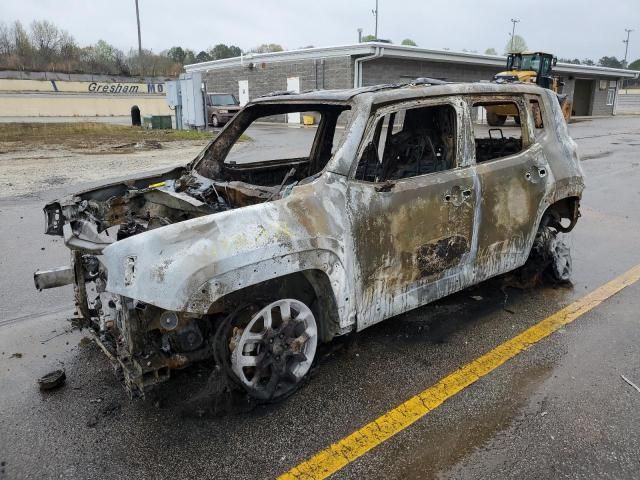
column 56, row 277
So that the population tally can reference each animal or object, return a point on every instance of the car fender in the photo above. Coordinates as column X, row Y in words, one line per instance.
column 189, row 265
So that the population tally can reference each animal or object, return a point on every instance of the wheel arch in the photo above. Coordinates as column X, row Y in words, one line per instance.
column 565, row 209
column 312, row 286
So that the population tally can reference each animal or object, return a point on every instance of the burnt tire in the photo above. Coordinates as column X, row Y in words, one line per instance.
column 549, row 259
column 495, row 120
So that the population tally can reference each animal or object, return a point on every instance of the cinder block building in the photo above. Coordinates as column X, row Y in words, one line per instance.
column 593, row 90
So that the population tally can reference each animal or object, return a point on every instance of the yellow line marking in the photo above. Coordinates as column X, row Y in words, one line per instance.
column 340, row 454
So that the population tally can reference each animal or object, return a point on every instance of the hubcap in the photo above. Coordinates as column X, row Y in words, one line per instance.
column 276, row 349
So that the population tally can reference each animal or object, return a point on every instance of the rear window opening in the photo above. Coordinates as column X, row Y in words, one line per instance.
column 497, row 128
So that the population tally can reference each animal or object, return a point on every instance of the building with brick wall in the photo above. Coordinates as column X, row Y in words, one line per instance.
column 593, row 90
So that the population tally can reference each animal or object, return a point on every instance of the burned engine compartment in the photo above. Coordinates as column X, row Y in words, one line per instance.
column 144, row 341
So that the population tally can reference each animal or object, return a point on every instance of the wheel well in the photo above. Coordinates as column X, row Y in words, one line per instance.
column 312, row 287
column 563, row 214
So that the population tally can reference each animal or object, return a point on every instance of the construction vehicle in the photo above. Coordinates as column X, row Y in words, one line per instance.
column 528, row 67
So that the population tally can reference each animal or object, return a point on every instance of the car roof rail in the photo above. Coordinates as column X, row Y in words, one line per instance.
column 427, row 81
column 278, row 93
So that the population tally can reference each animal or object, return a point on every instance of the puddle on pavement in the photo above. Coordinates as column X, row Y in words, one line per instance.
column 443, row 447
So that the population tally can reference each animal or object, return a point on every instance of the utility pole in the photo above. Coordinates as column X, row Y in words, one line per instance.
column 513, row 31
column 626, row 47
column 359, row 35
column 375, row 12
column 139, row 36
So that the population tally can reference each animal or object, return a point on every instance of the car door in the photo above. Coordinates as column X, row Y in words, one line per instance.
column 411, row 204
column 514, row 177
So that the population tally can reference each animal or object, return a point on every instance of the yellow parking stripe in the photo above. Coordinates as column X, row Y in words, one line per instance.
column 345, row 451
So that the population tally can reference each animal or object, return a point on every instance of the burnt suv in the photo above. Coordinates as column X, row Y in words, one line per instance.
column 256, row 252
column 221, row 107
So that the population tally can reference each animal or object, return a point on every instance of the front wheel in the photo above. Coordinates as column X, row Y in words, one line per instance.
column 214, row 121
column 269, row 353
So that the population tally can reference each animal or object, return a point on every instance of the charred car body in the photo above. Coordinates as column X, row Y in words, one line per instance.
column 255, row 262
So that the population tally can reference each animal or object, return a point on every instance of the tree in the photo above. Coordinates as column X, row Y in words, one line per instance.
column 69, row 51
column 368, row 38
column 221, row 51
column 202, row 57
column 515, row 45
column 574, row 61
column 45, row 36
column 22, row 45
column 409, row 42
column 189, row 57
column 176, row 54
column 635, row 65
column 491, row 51
column 6, row 45
column 267, row 47
column 611, row 62
column 588, row 61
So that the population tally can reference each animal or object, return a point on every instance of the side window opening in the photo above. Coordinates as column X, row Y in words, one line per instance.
column 497, row 128
column 536, row 114
column 408, row 143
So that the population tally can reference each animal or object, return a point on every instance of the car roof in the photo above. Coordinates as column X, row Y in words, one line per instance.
column 394, row 92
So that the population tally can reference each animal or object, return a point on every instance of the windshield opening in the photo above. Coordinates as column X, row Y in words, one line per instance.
column 526, row 62
column 267, row 144
column 224, row 99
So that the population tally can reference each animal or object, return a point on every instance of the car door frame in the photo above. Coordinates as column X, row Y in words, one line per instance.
column 525, row 171
column 385, row 299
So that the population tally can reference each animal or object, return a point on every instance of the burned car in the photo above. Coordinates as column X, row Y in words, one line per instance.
column 257, row 252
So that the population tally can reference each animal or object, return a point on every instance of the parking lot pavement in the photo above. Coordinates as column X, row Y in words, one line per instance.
column 558, row 410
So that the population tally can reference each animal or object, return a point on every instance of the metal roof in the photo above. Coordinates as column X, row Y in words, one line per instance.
column 395, row 92
column 397, row 51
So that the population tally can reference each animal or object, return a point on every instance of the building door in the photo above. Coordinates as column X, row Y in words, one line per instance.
column 582, row 95
column 243, row 92
column 293, row 85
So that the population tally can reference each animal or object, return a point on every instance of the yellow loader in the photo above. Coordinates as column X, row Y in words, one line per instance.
column 527, row 67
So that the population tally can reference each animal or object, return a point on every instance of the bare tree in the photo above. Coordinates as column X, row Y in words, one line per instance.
column 515, row 45
column 6, row 45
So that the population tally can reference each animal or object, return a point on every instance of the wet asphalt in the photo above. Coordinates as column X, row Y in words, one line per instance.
column 558, row 410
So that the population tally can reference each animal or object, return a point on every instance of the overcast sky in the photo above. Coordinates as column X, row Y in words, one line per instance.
column 571, row 28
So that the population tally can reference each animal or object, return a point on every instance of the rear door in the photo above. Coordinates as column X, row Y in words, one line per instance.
column 514, row 177
column 411, row 203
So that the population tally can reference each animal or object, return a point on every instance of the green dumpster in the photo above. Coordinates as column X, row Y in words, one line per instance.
column 156, row 122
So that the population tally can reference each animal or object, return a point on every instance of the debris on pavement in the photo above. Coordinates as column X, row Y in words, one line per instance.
column 16, row 355
column 630, row 383
column 92, row 421
column 52, row 380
